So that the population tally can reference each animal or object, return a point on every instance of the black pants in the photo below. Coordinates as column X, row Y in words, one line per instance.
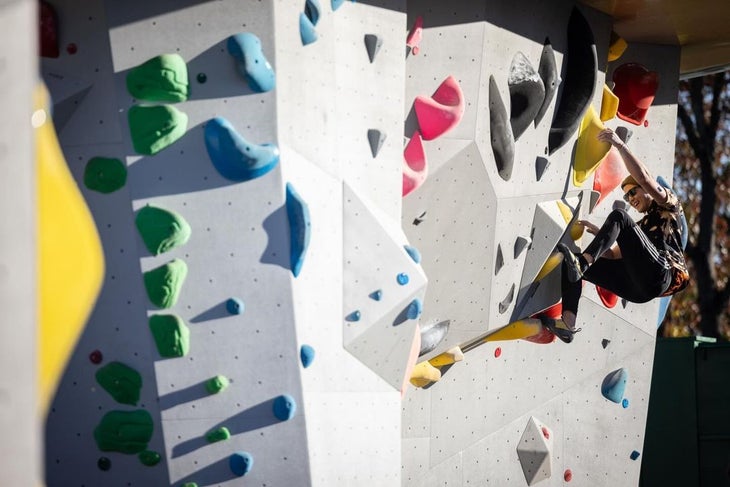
column 640, row 275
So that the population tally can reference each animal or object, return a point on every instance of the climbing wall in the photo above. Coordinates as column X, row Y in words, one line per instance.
column 296, row 199
column 486, row 220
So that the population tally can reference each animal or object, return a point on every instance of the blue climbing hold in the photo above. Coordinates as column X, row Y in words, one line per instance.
column 337, row 4
column 284, row 407
column 402, row 278
column 376, row 295
column 306, row 354
column 240, row 463
column 311, row 10
column 625, row 403
column 306, row 30
column 251, row 62
column 233, row 156
column 635, row 454
column 414, row 253
column 354, row 316
column 299, row 228
column 614, row 385
column 414, row 309
column 235, row 306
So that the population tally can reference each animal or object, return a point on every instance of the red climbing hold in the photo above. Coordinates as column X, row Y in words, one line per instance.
column 568, row 475
column 415, row 35
column 546, row 432
column 608, row 298
column 415, row 169
column 635, row 87
column 96, row 357
column 646, row 123
column 609, row 174
column 72, row 48
column 48, row 31
column 497, row 352
column 441, row 112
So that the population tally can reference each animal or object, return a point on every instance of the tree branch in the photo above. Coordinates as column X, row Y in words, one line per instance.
column 689, row 128
column 717, row 86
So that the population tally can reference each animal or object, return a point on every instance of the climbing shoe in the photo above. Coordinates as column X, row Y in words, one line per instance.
column 559, row 329
column 575, row 264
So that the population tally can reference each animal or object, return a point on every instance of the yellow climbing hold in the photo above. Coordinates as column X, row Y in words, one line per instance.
column 449, row 357
column 609, row 104
column 616, row 47
column 70, row 258
column 550, row 264
column 424, row 373
column 576, row 231
column 516, row 330
column 589, row 151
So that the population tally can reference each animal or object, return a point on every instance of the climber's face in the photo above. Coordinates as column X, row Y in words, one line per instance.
column 637, row 197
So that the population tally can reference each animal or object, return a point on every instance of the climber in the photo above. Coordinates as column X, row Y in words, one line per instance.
column 637, row 261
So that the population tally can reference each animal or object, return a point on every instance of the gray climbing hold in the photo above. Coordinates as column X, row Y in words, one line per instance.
column 624, row 133
column 504, row 305
column 526, row 92
column 614, row 385
column 240, row 463
column 432, row 335
column 541, row 165
column 605, row 342
column 284, row 407
column 634, row 455
column 376, row 139
column 548, row 72
column 373, row 43
column 499, row 260
column 503, row 142
column 306, row 354
column 521, row 243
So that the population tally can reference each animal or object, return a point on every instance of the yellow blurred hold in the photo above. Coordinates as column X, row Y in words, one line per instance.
column 424, row 373
column 589, row 151
column 616, row 47
column 70, row 258
column 550, row 264
column 576, row 231
column 449, row 357
column 516, row 330
column 609, row 104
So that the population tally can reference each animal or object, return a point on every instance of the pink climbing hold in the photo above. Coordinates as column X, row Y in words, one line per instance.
column 441, row 112
column 568, row 475
column 546, row 432
column 497, row 352
column 415, row 35
column 415, row 169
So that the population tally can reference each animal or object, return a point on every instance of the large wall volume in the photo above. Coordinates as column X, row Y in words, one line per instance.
column 335, row 180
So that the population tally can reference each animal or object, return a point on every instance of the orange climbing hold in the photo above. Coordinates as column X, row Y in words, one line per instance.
column 415, row 169
column 441, row 112
column 635, row 87
column 415, row 35
column 609, row 174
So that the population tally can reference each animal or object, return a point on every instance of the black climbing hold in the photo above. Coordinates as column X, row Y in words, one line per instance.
column 503, row 142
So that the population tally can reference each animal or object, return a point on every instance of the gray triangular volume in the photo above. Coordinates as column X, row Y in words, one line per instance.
column 376, row 138
column 373, row 44
column 541, row 164
column 624, row 133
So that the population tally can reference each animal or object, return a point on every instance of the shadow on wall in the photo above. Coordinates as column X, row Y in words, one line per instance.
column 213, row 474
column 122, row 13
column 189, row 394
column 276, row 226
column 253, row 418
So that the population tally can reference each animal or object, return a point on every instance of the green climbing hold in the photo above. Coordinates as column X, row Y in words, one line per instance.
column 163, row 283
column 161, row 230
column 190, row 484
column 162, row 78
column 121, row 381
column 149, row 458
column 171, row 334
column 105, row 175
column 124, row 431
column 217, row 384
column 154, row 128
column 218, row 434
